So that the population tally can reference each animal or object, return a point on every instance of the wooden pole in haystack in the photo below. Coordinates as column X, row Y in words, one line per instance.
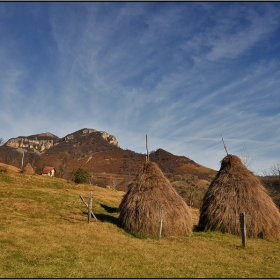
column 160, row 221
column 22, row 160
column 147, row 156
column 224, row 144
column 243, row 228
column 89, row 205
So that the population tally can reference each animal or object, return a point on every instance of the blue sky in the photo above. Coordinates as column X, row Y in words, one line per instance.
column 184, row 73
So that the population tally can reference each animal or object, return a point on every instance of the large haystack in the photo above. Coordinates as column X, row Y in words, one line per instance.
column 139, row 209
column 236, row 190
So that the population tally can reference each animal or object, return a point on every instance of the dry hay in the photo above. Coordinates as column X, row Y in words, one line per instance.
column 28, row 169
column 139, row 208
column 237, row 190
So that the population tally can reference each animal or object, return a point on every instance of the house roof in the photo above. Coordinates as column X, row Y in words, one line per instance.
column 47, row 169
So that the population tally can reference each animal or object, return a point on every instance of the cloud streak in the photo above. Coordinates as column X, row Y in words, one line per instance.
column 184, row 73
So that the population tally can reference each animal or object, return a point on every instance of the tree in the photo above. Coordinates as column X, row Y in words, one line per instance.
column 275, row 169
column 245, row 156
column 33, row 159
column 113, row 183
column 1, row 141
column 191, row 190
column 81, row 175
column 62, row 166
column 271, row 180
column 62, row 169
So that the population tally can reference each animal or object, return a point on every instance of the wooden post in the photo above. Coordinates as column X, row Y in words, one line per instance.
column 147, row 156
column 224, row 144
column 89, row 205
column 243, row 228
column 22, row 160
column 160, row 221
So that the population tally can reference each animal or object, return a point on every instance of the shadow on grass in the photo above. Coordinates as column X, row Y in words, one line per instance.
column 107, row 218
column 109, row 209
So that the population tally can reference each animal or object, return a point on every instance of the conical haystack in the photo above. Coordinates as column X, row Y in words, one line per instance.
column 28, row 169
column 139, row 209
column 237, row 190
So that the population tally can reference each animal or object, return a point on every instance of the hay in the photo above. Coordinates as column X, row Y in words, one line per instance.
column 139, row 208
column 236, row 190
column 28, row 169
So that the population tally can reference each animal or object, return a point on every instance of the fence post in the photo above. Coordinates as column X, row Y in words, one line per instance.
column 89, row 205
column 160, row 221
column 243, row 228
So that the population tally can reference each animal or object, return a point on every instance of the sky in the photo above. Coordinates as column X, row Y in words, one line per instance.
column 184, row 73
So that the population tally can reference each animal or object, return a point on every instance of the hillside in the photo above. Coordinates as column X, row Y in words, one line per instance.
column 109, row 164
column 45, row 234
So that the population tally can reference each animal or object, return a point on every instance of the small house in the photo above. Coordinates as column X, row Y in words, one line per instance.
column 48, row 171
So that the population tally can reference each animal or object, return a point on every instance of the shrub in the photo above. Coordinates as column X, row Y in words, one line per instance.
column 81, row 175
column 3, row 170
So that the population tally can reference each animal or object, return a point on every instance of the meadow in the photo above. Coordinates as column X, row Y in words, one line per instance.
column 44, row 233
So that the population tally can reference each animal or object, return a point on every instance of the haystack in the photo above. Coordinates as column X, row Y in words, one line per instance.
column 28, row 169
column 139, row 208
column 237, row 190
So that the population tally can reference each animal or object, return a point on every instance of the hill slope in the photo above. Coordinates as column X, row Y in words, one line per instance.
column 99, row 152
column 45, row 234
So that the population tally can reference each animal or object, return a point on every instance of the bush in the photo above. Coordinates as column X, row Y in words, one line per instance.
column 81, row 175
column 3, row 170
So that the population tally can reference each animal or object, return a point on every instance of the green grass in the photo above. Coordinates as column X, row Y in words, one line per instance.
column 44, row 234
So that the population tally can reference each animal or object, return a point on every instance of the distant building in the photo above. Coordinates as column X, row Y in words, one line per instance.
column 48, row 171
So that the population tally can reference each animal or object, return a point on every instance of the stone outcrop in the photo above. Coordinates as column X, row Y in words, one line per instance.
column 32, row 144
column 44, row 141
column 111, row 139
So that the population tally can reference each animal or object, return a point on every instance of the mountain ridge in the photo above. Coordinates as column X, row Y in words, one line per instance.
column 85, row 143
column 100, row 153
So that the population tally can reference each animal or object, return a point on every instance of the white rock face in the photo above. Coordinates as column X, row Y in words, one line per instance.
column 69, row 137
column 40, row 145
column 110, row 138
column 32, row 142
column 88, row 131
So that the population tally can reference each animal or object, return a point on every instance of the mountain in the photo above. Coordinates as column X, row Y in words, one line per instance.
column 99, row 152
column 110, row 165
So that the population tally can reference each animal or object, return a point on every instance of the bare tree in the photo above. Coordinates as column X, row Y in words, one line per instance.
column 275, row 170
column 113, row 183
column 1, row 141
column 245, row 156
column 62, row 169
column 62, row 166
column 191, row 190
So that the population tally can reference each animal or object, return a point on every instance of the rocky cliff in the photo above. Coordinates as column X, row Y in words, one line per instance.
column 111, row 139
column 38, row 142
column 44, row 141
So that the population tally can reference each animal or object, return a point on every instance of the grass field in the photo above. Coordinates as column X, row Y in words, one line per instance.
column 44, row 233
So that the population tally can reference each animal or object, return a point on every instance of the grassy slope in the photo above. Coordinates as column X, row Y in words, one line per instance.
column 44, row 234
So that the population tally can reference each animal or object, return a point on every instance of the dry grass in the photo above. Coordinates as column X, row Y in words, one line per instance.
column 44, row 234
column 9, row 168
